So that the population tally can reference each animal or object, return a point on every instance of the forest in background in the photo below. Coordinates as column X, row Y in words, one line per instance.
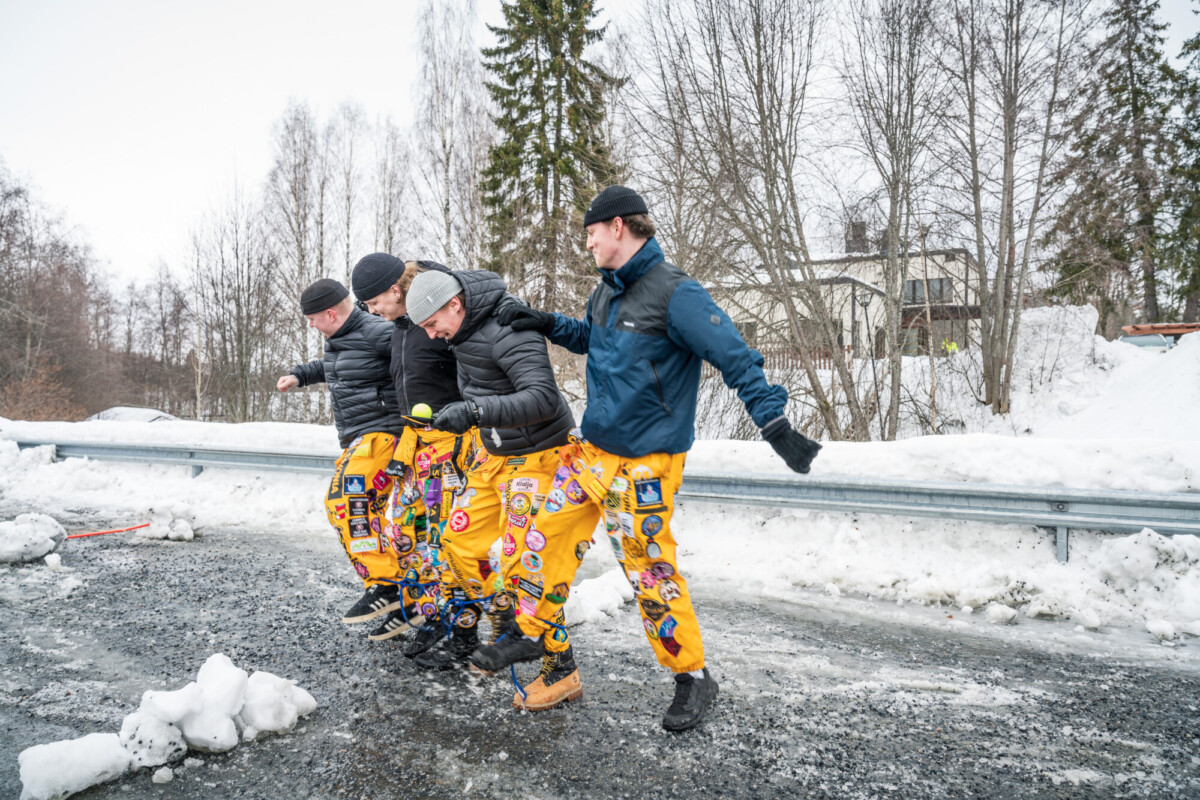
column 1055, row 141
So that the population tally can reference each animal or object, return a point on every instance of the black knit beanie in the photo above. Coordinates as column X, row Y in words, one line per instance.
column 323, row 294
column 615, row 201
column 373, row 275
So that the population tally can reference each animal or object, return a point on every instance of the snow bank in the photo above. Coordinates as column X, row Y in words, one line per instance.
column 29, row 537
column 210, row 714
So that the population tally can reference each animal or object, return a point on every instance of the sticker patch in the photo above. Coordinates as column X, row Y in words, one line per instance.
column 528, row 485
column 466, row 618
column 668, row 590
column 380, row 481
column 670, row 645
column 375, row 527
column 651, row 630
column 510, row 544
column 561, row 476
column 652, row 524
column 616, row 546
column 527, row 606
column 535, row 540
column 530, row 588
column 667, row 626
column 626, row 521
column 574, row 493
column 662, row 570
column 555, row 501
column 459, row 520
column 354, row 484
column 619, row 485
column 518, row 521
column 402, row 544
column 559, row 593
column 582, row 548
column 423, row 461
column 463, row 498
column 649, row 492
column 362, row 571
column 532, row 562
column 363, row 546
column 653, row 609
column 519, row 504
column 359, row 528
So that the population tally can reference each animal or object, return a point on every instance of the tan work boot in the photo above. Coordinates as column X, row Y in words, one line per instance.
column 558, row 683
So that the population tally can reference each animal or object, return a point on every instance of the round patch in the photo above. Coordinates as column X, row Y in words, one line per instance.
column 668, row 590
column 475, row 586
column 459, row 520
column 428, row 609
column 535, row 539
column 651, row 631
column 574, row 493
column 466, row 618
column 653, row 550
column 582, row 548
column 652, row 524
column 662, row 570
column 510, row 544
column 501, row 601
column 532, row 562
column 519, row 504
column 555, row 500
column 402, row 543
column 375, row 525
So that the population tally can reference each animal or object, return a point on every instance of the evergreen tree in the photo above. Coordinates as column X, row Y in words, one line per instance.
column 1183, row 244
column 1110, row 229
column 550, row 158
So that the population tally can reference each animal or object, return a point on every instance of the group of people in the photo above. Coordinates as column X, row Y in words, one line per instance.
column 458, row 444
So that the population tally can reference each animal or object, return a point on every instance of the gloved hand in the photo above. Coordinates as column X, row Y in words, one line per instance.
column 524, row 318
column 796, row 449
column 457, row 417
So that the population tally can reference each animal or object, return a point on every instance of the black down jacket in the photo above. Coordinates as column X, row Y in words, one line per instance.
column 355, row 366
column 423, row 369
column 507, row 374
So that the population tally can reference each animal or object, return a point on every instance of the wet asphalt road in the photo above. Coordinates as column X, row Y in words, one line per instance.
column 815, row 702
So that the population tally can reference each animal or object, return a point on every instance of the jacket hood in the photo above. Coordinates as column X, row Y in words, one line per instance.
column 482, row 290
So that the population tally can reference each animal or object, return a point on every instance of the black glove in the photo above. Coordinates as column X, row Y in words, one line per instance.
column 457, row 417
column 796, row 449
column 524, row 318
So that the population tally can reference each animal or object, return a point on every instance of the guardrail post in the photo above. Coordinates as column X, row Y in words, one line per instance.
column 1062, row 536
column 196, row 470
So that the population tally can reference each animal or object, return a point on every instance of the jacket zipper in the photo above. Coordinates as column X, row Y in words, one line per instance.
column 404, row 373
column 662, row 398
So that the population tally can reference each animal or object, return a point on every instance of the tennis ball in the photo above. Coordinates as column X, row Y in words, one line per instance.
column 422, row 411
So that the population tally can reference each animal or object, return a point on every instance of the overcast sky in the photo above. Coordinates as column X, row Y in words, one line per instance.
column 134, row 117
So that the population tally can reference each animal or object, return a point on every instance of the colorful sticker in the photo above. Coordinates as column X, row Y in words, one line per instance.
column 555, row 501
column 532, row 562
column 561, row 476
column 463, row 499
column 459, row 520
column 667, row 626
column 362, row 571
column 359, row 528
column 616, row 546
column 535, row 540
column 652, row 608
column 649, row 492
column 559, row 593
column 375, row 527
column 519, row 503
column 574, row 493
column 354, row 484
column 528, row 485
column 652, row 524
column 670, row 645
column 402, row 544
column 668, row 590
column 518, row 522
column 662, row 570
column 651, row 630
column 530, row 588
column 423, row 461
column 466, row 618
column 527, row 606
column 612, row 501
column 380, row 481
column 510, row 544
column 582, row 548
column 619, row 485
column 649, row 581
column 363, row 546
column 358, row 506
column 626, row 521
column 428, row 609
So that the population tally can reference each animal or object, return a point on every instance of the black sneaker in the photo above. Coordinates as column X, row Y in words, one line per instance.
column 693, row 697
column 395, row 624
column 510, row 648
column 377, row 601
column 454, row 651
column 427, row 636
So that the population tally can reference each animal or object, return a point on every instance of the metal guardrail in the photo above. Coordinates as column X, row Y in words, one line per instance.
column 1059, row 508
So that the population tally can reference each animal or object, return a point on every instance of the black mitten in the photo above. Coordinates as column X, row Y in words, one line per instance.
column 524, row 318
column 796, row 449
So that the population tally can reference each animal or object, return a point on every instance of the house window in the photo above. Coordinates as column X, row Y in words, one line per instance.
column 940, row 291
column 748, row 331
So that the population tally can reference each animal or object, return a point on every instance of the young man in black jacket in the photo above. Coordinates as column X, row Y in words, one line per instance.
column 365, row 410
column 510, row 394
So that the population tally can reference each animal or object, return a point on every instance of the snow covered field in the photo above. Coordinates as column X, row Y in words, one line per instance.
column 1089, row 414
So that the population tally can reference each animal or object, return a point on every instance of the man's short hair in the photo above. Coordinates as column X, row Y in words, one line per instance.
column 640, row 225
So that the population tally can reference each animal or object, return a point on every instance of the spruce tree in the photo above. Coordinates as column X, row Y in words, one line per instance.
column 1184, row 195
column 550, row 158
column 1110, row 228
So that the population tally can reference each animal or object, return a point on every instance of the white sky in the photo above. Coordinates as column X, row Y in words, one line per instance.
column 134, row 117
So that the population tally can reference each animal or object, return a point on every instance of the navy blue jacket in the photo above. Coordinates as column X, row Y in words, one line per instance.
column 647, row 327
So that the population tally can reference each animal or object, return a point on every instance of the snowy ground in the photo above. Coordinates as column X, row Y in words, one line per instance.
column 975, row 631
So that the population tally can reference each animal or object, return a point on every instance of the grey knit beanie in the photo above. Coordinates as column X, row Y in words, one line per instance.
column 429, row 292
column 373, row 275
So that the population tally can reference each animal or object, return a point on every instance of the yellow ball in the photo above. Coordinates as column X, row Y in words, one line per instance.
column 422, row 411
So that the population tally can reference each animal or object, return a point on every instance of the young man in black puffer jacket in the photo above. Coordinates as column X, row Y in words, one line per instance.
column 355, row 364
column 510, row 394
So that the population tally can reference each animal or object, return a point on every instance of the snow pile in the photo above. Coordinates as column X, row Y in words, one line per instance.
column 164, row 525
column 29, row 537
column 595, row 598
column 209, row 714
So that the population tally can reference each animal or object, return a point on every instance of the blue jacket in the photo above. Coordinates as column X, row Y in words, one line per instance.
column 647, row 327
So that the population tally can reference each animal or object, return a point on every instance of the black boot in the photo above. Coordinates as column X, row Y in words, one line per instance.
column 693, row 697
column 510, row 648
column 454, row 651
column 501, row 620
column 427, row 636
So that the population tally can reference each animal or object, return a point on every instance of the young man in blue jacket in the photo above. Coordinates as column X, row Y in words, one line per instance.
column 647, row 329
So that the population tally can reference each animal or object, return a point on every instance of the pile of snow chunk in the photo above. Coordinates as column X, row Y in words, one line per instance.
column 210, row 714
column 164, row 525
column 29, row 537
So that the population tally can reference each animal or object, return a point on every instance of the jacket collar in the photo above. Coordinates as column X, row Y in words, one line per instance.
column 633, row 269
column 353, row 322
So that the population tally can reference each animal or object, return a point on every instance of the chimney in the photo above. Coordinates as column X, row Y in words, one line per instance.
column 856, row 237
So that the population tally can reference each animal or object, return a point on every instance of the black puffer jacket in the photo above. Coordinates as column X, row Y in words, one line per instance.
column 507, row 374
column 355, row 366
column 423, row 369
